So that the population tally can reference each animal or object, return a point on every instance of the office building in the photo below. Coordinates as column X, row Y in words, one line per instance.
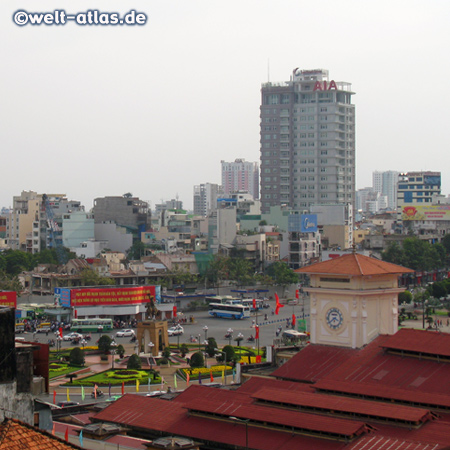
column 416, row 188
column 307, row 141
column 240, row 175
column 205, row 198
column 386, row 184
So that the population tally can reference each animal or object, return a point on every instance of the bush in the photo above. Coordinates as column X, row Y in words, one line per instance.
column 76, row 357
column 211, row 347
column 166, row 352
column 197, row 360
column 134, row 362
column 120, row 350
column 104, row 343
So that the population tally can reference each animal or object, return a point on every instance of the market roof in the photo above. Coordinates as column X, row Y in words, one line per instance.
column 354, row 264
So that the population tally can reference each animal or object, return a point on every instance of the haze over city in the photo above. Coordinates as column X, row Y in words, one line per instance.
column 95, row 111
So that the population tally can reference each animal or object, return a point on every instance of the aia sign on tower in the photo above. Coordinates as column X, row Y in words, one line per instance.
column 324, row 86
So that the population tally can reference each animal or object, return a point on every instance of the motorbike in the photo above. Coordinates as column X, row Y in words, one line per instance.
column 87, row 337
column 51, row 342
column 99, row 394
column 133, row 339
column 193, row 339
column 251, row 339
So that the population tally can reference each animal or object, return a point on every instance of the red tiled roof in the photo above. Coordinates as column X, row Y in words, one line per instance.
column 17, row 435
column 313, row 362
column 354, row 264
column 254, row 384
column 429, row 342
column 208, row 393
column 332, row 404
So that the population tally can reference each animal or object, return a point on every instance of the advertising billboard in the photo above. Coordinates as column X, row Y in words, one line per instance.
column 429, row 212
column 309, row 223
column 8, row 298
column 115, row 296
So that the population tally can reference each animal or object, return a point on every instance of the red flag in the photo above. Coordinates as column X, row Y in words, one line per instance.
column 254, row 303
column 75, row 312
column 187, row 379
column 95, row 390
column 279, row 305
column 66, row 435
column 60, row 332
column 211, row 376
column 123, row 387
column 54, row 397
column 257, row 332
column 175, row 311
column 296, row 294
column 293, row 320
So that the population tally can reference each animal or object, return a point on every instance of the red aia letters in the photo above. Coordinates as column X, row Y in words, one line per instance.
column 319, row 86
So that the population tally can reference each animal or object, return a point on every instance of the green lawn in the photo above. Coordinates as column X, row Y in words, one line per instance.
column 117, row 377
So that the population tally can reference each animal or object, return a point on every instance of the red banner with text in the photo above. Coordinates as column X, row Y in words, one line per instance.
column 8, row 299
column 113, row 296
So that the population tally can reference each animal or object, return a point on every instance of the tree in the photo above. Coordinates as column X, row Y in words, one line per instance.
column 282, row 274
column 120, row 350
column 184, row 350
column 18, row 261
column 134, row 362
column 404, row 297
column 76, row 357
column 439, row 289
column 136, row 251
column 211, row 347
column 197, row 360
column 10, row 283
column 393, row 254
column 229, row 351
column 90, row 277
column 104, row 344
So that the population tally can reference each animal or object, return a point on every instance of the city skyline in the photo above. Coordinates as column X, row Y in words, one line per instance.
column 152, row 110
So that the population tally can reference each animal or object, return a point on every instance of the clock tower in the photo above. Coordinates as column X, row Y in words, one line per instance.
column 353, row 299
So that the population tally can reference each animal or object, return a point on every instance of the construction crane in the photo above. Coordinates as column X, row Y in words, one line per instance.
column 53, row 230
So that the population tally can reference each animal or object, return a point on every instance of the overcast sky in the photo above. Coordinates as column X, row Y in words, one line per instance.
column 152, row 110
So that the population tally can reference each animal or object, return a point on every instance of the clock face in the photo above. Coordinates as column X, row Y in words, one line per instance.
column 334, row 318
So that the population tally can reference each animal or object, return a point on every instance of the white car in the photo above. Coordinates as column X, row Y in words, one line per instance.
column 72, row 336
column 125, row 333
column 175, row 331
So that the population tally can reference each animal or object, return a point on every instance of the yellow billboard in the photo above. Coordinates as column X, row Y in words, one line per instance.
column 429, row 212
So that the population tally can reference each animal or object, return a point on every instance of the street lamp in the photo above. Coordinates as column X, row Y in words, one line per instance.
column 225, row 370
column 150, row 346
column 424, row 310
column 113, row 352
column 83, row 343
column 239, row 338
column 58, row 344
column 206, row 356
column 205, row 329
column 199, row 342
column 230, row 335
column 244, row 421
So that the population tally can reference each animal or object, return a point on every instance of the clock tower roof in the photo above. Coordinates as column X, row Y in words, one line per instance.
column 354, row 264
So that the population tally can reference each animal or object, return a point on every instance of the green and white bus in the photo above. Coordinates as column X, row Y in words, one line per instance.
column 88, row 325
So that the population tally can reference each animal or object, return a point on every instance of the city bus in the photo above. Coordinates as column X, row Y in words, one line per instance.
column 229, row 311
column 249, row 302
column 222, row 299
column 88, row 325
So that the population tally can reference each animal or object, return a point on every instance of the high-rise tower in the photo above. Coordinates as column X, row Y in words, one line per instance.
column 307, row 141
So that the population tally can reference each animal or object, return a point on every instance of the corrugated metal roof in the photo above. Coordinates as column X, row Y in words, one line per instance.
column 275, row 416
column 385, row 392
column 354, row 264
column 234, row 434
column 334, row 404
column 142, row 412
column 313, row 362
column 389, row 443
column 428, row 342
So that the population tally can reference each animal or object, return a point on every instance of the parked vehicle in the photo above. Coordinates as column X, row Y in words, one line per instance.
column 99, row 394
